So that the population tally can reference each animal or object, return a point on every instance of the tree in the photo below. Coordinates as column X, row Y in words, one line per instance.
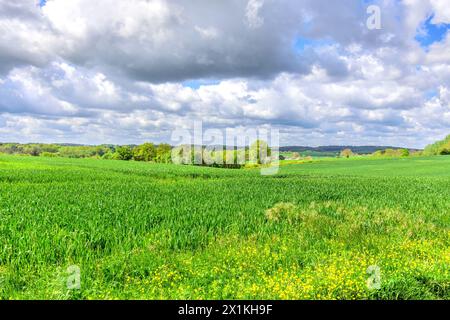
column 439, row 147
column 346, row 153
column 145, row 152
column 389, row 152
column 405, row 153
column 35, row 151
column 295, row 155
column 108, row 155
column 100, row 151
column 181, row 154
column 30, row 149
column 378, row 153
column 123, row 153
column 163, row 153
column 259, row 152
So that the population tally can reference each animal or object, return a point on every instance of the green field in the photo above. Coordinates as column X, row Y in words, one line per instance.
column 151, row 231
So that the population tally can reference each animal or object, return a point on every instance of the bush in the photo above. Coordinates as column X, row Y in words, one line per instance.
column 145, row 152
column 405, row 153
column 392, row 153
column 378, row 153
column 346, row 153
column 108, row 156
column 34, row 151
column 123, row 153
column 48, row 154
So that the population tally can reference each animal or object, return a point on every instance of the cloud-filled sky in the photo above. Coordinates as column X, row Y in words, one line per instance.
column 107, row 71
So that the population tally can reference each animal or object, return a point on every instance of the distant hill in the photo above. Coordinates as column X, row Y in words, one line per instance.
column 338, row 149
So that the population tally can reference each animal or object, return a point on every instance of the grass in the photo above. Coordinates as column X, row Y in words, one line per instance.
column 154, row 231
column 376, row 167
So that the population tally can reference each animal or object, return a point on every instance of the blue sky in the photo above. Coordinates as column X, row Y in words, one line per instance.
column 197, row 83
column 302, row 43
column 432, row 33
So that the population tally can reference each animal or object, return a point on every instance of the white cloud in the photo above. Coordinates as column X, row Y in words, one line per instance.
column 441, row 10
column 207, row 33
column 439, row 52
column 254, row 19
column 101, row 71
column 25, row 36
column 158, row 41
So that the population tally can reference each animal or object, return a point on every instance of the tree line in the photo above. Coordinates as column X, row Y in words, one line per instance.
column 441, row 147
column 258, row 153
column 389, row 152
column 145, row 152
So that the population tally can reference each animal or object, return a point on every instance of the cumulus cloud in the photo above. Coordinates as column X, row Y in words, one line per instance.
column 159, row 41
column 254, row 20
column 441, row 11
column 25, row 35
column 103, row 71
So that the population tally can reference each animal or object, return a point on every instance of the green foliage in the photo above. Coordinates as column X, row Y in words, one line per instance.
column 163, row 153
column 53, row 150
column 123, row 153
column 438, row 148
column 405, row 152
column 28, row 149
column 109, row 155
column 217, row 157
column 77, row 152
column 259, row 152
column 346, row 153
column 101, row 151
column 33, row 149
column 157, row 231
column 330, row 151
column 145, row 152
column 48, row 154
column 392, row 153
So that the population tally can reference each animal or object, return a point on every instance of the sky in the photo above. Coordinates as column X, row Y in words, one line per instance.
column 126, row 72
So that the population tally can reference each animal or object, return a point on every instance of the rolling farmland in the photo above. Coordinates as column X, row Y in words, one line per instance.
column 332, row 229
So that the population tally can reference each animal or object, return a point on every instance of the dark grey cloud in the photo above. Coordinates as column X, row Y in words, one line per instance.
column 178, row 40
column 159, row 41
column 26, row 37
